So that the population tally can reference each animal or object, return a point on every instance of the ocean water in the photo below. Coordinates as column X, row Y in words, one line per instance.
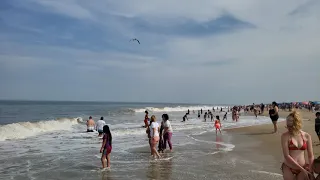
column 47, row 140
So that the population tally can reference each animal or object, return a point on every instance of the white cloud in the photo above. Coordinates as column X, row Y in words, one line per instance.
column 70, row 8
column 283, row 45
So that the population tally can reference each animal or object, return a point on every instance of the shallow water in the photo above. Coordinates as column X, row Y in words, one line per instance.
column 62, row 150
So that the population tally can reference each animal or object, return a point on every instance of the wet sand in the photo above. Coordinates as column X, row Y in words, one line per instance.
column 207, row 159
column 269, row 143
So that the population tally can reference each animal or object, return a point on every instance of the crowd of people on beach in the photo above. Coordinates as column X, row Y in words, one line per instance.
column 294, row 142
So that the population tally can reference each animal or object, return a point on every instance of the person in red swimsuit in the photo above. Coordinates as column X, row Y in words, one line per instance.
column 217, row 124
column 294, row 144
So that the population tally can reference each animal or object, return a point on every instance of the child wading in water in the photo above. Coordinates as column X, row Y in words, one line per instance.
column 217, row 124
column 106, row 147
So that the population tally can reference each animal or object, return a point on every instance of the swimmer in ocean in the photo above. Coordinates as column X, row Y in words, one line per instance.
column 90, row 125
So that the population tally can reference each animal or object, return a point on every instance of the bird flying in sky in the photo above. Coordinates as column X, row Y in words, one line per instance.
column 135, row 40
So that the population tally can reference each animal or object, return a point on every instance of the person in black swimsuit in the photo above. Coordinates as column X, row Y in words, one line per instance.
column 274, row 116
column 185, row 117
column 317, row 125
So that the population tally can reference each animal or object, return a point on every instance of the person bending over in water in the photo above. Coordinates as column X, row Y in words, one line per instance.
column 90, row 124
column 317, row 125
column 225, row 116
column 217, row 124
column 99, row 126
column 106, row 147
column 185, row 117
column 294, row 143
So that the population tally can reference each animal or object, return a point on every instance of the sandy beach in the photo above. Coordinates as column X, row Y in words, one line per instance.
column 268, row 145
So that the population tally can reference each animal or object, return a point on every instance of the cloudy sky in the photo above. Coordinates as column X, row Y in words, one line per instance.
column 196, row 51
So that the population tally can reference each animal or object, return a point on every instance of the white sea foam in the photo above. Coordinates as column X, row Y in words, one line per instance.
column 266, row 172
column 180, row 108
column 27, row 129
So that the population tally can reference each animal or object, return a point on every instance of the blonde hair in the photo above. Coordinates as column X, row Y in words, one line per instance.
column 153, row 118
column 297, row 122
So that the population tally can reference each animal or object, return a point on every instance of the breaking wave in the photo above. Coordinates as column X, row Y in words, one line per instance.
column 23, row 130
column 180, row 108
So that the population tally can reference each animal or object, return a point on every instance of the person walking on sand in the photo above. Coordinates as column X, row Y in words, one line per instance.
column 317, row 125
column 295, row 143
column 274, row 116
column 154, row 133
column 99, row 126
column 106, row 147
column 217, row 124
column 167, row 134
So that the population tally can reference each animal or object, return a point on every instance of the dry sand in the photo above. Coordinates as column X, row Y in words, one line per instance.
column 268, row 143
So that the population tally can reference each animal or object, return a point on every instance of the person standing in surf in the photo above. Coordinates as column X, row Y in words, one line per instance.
column 217, row 124
column 146, row 119
column 106, row 147
column 167, row 134
column 99, row 126
column 255, row 111
column 154, row 134
column 90, row 125
column 160, row 145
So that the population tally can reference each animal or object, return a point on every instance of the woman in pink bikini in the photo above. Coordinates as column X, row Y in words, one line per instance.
column 294, row 143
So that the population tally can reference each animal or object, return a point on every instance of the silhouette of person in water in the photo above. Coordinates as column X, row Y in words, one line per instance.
column 185, row 117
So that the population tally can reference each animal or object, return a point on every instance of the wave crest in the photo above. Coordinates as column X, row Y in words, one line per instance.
column 26, row 129
column 179, row 108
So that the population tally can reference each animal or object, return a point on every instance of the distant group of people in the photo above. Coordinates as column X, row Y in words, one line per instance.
column 217, row 123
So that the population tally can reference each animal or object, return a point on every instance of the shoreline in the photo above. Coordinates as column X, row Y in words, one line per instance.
column 267, row 143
